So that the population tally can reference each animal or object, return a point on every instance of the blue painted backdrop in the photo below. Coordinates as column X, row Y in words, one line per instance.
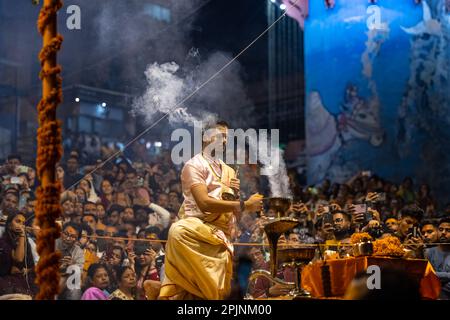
column 378, row 90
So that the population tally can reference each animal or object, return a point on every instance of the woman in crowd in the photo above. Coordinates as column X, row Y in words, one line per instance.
column 106, row 193
column 97, row 283
column 16, row 258
column 145, row 266
column 81, row 195
column 126, row 281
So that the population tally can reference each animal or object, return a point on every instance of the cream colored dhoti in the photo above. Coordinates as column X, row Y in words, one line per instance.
column 199, row 264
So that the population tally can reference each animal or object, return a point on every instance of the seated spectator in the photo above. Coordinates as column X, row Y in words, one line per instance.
column 107, row 193
column 101, row 216
column 293, row 239
column 71, row 255
column 97, row 283
column 342, row 226
column 81, row 195
column 68, row 207
column 86, row 235
column 113, row 215
column 127, row 215
column 430, row 233
column 153, row 233
column 10, row 201
column 16, row 258
column 391, row 225
column 410, row 216
column 90, row 255
column 141, row 217
column 126, row 284
column 90, row 219
column 145, row 266
column 439, row 257
column 71, row 174
column 262, row 287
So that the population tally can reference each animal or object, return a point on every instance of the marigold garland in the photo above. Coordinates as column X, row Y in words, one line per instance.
column 49, row 152
column 360, row 237
column 389, row 246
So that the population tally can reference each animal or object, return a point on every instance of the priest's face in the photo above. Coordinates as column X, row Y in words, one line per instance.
column 214, row 138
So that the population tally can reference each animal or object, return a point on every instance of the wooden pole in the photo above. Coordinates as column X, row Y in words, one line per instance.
column 49, row 152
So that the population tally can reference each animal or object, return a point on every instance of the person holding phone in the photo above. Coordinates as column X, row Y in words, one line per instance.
column 342, row 225
column 71, row 254
column 145, row 266
column 16, row 257
column 410, row 216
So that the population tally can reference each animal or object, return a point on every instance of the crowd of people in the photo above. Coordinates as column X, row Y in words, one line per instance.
column 116, row 216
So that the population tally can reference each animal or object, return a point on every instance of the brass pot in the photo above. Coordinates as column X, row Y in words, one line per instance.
column 280, row 205
column 363, row 249
column 228, row 194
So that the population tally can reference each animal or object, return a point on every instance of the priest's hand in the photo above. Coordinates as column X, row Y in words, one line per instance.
column 254, row 203
column 235, row 184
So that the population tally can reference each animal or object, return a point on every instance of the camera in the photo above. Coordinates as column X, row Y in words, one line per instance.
column 376, row 232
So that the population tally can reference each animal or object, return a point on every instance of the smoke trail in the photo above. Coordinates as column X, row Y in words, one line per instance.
column 270, row 156
column 169, row 83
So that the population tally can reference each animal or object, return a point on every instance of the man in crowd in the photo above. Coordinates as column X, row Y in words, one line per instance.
column 10, row 201
column 429, row 231
column 439, row 257
column 71, row 175
column 391, row 225
column 342, row 225
column 410, row 216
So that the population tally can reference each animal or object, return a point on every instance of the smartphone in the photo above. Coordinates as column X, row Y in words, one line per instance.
column 327, row 218
column 109, row 252
column 22, row 202
column 415, row 231
column 360, row 208
column 16, row 180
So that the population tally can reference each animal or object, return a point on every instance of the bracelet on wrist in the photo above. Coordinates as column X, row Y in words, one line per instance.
column 242, row 205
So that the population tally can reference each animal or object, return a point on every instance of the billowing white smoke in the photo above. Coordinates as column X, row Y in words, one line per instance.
column 273, row 166
column 170, row 90
column 168, row 86
column 277, row 175
column 164, row 93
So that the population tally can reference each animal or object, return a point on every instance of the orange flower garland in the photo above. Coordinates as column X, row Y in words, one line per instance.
column 389, row 246
column 49, row 152
column 360, row 237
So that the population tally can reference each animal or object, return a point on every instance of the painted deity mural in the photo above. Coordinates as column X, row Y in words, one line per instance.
column 378, row 90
